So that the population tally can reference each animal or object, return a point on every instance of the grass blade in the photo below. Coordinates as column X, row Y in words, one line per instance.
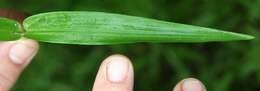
column 98, row 28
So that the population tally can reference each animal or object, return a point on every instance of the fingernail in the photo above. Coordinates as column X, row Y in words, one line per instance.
column 192, row 85
column 117, row 70
column 22, row 52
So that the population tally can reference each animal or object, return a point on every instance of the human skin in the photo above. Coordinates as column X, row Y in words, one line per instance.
column 115, row 73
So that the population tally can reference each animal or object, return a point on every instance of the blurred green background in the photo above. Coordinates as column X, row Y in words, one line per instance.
column 226, row 66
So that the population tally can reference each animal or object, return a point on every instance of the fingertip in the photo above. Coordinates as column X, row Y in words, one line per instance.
column 117, row 68
column 115, row 73
column 117, row 58
column 23, row 51
column 190, row 84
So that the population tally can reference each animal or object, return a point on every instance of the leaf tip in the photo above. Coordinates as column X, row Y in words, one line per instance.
column 239, row 36
column 246, row 37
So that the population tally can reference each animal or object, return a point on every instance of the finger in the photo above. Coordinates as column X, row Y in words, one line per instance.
column 115, row 74
column 14, row 56
column 189, row 84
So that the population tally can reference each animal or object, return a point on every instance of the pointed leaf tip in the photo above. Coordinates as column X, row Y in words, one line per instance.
column 243, row 36
column 249, row 37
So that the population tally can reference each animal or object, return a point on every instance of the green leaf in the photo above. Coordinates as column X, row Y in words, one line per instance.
column 98, row 28
column 9, row 29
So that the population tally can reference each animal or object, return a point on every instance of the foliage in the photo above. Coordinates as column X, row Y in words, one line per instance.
column 221, row 66
column 100, row 28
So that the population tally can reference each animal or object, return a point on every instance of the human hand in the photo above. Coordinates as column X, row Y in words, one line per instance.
column 14, row 55
column 115, row 73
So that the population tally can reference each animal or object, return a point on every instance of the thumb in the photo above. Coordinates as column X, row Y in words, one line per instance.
column 14, row 57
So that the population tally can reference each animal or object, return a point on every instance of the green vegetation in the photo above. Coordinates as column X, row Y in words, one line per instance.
column 228, row 66
column 99, row 28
